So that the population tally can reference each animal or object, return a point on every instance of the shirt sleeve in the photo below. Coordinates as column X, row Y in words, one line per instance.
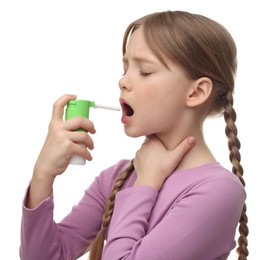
column 200, row 225
column 42, row 238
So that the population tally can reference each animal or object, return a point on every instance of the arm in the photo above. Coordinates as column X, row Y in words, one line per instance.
column 200, row 224
column 61, row 143
column 43, row 239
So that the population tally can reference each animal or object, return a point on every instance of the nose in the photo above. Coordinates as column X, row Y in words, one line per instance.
column 123, row 84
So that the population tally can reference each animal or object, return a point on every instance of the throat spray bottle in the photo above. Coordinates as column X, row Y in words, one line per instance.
column 81, row 108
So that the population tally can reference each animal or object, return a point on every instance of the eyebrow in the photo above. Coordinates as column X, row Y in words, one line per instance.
column 139, row 60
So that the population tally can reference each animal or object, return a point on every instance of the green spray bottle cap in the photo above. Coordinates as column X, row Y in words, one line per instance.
column 81, row 108
column 78, row 108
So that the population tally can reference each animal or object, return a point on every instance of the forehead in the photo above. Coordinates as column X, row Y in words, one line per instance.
column 138, row 50
column 136, row 42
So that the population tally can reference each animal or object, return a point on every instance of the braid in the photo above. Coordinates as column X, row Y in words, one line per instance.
column 235, row 158
column 96, row 247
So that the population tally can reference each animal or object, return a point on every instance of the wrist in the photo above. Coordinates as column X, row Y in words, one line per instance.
column 154, row 183
column 41, row 186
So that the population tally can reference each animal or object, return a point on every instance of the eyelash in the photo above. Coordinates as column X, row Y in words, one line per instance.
column 141, row 73
column 144, row 74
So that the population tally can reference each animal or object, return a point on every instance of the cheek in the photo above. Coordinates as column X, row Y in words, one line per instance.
column 146, row 93
column 154, row 117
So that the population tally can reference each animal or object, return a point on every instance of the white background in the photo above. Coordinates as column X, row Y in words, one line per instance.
column 48, row 48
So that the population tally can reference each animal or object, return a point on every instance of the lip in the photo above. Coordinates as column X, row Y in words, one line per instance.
column 123, row 103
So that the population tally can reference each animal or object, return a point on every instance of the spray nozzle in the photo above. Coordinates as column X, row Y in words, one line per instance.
column 95, row 105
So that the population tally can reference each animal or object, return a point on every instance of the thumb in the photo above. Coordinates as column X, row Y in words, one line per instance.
column 58, row 109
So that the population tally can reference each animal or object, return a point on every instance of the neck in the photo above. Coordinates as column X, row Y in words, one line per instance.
column 198, row 155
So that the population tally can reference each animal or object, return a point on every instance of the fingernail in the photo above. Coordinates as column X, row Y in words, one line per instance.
column 191, row 140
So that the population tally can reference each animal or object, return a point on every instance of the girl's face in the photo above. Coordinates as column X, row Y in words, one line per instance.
column 153, row 97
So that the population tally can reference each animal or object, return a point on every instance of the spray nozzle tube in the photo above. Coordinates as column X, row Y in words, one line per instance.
column 81, row 108
column 95, row 105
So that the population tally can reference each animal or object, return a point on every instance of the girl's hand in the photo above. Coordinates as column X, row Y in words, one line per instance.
column 154, row 163
column 62, row 142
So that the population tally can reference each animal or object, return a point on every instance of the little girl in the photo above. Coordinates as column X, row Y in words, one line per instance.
column 173, row 200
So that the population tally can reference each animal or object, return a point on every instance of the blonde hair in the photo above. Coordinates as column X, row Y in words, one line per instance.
column 204, row 48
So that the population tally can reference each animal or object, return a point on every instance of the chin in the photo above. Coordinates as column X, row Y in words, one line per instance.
column 131, row 133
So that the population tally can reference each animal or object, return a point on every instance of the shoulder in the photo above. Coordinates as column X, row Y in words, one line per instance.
column 221, row 179
column 211, row 181
column 209, row 173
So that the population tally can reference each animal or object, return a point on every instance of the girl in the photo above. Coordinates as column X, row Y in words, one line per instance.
column 173, row 200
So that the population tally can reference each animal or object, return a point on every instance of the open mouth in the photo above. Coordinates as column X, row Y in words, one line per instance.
column 127, row 110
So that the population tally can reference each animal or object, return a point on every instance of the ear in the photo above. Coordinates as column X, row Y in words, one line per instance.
column 199, row 92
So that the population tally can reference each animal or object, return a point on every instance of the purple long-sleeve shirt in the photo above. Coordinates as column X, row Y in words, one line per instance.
column 193, row 217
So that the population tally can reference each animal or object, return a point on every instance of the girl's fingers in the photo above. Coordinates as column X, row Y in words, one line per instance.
column 80, row 122
column 80, row 137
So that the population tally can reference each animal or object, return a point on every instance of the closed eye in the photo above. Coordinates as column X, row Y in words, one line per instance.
column 144, row 74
